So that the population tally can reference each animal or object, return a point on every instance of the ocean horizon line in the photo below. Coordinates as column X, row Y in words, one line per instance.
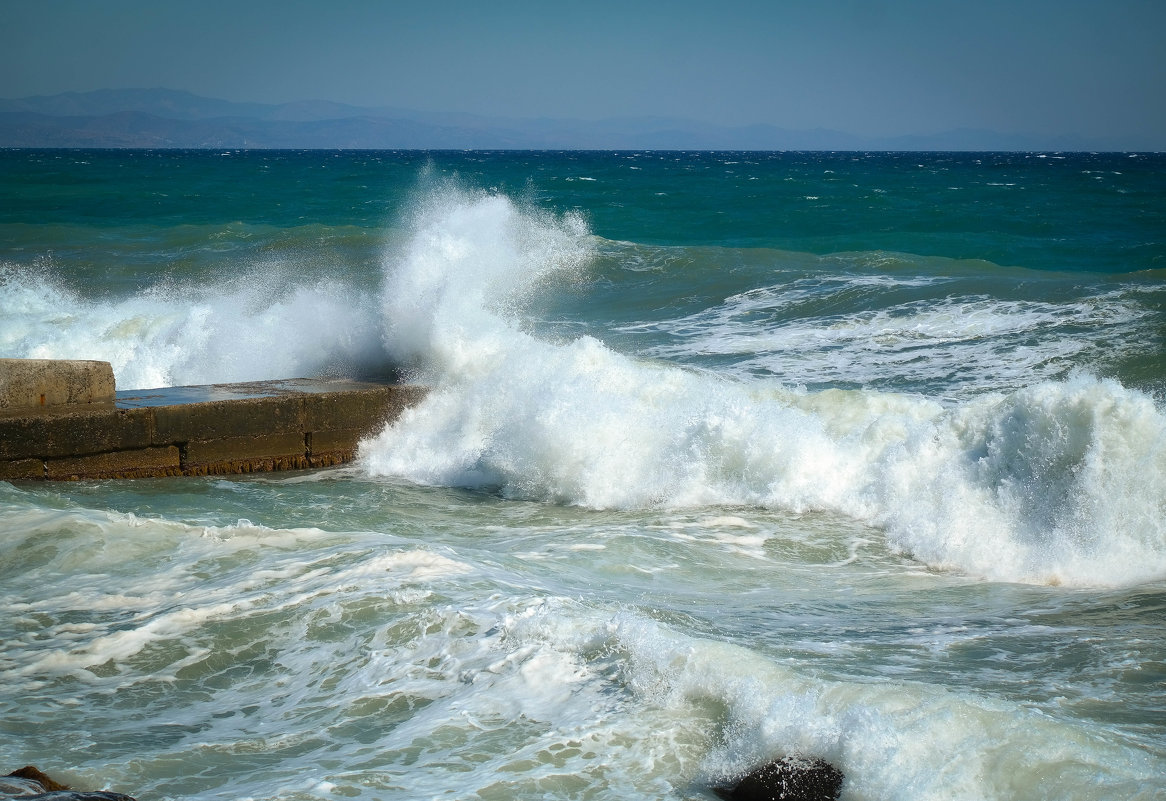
column 165, row 117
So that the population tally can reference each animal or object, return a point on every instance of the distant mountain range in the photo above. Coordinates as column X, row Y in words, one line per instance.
column 165, row 118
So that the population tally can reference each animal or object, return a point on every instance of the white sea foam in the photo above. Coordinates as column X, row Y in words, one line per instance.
column 962, row 343
column 257, row 641
column 891, row 740
column 119, row 646
column 1059, row 482
column 175, row 335
column 138, row 585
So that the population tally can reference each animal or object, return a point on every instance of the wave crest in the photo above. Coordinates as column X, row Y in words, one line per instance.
column 1060, row 482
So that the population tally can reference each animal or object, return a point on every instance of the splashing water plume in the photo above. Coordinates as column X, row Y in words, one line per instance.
column 1060, row 482
column 244, row 329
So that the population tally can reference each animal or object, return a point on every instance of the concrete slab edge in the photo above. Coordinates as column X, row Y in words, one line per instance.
column 222, row 437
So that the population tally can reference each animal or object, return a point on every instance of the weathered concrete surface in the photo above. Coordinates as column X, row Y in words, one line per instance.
column 213, row 430
column 31, row 383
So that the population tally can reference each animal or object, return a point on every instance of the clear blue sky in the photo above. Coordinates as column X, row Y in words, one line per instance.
column 868, row 67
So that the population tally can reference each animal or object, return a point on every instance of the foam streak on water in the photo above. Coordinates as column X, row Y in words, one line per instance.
column 955, row 340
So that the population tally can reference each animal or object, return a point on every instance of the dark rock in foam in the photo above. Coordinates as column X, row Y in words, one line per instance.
column 30, row 784
column 791, row 778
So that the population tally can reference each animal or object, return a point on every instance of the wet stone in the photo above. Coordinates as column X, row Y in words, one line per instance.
column 792, row 778
column 30, row 784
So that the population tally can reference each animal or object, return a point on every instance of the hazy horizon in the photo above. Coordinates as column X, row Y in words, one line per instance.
column 1081, row 68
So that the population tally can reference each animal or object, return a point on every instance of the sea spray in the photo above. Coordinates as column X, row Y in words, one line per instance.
column 1059, row 482
column 1063, row 482
column 261, row 325
column 471, row 260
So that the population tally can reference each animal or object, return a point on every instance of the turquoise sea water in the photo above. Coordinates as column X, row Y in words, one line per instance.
column 727, row 456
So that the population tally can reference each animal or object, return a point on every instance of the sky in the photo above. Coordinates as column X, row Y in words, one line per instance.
column 1091, row 68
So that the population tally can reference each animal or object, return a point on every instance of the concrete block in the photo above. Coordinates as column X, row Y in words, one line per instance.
column 31, row 383
column 330, row 459
column 227, row 449
column 366, row 409
column 22, row 469
column 73, row 431
column 334, row 442
column 255, row 465
column 228, row 418
column 214, row 430
column 137, row 463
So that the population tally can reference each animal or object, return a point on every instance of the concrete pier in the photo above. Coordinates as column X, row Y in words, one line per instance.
column 50, row 382
column 207, row 430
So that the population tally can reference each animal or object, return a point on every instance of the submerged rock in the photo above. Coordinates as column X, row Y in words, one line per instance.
column 787, row 779
column 30, row 784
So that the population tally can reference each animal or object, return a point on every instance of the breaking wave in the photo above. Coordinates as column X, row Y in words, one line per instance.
column 1058, row 482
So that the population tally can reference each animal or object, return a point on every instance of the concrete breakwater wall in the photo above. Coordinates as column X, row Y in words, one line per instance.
column 208, row 430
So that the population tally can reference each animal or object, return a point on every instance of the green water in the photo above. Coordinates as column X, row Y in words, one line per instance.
column 727, row 456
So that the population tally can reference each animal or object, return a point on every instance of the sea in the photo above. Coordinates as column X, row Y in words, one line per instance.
column 726, row 457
